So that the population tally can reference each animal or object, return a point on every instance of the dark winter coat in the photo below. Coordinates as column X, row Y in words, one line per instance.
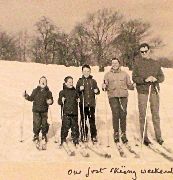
column 70, row 106
column 39, row 97
column 89, row 85
column 143, row 68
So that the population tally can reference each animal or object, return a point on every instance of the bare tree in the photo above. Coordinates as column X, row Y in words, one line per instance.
column 101, row 28
column 46, row 30
column 131, row 34
column 8, row 49
column 22, row 43
column 80, row 45
column 156, row 43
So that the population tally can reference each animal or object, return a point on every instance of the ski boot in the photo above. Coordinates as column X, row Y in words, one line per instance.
column 36, row 137
column 124, row 138
column 160, row 141
column 116, row 137
column 146, row 141
column 94, row 140
column 44, row 142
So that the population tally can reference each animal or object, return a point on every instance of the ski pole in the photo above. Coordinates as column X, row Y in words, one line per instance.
column 22, row 122
column 80, row 122
column 136, row 124
column 146, row 113
column 54, row 133
column 84, row 121
column 108, row 145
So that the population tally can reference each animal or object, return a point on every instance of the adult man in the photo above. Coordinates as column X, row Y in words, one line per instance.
column 147, row 74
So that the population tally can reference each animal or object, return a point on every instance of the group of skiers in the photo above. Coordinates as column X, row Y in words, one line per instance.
column 146, row 76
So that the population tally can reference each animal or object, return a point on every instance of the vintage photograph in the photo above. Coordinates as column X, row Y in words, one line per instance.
column 86, row 89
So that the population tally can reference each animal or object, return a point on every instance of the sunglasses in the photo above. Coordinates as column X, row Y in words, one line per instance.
column 143, row 52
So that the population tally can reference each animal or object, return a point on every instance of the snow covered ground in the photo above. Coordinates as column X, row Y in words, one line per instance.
column 15, row 77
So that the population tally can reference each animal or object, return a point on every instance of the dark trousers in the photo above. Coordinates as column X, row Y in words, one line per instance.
column 89, row 113
column 70, row 121
column 40, row 123
column 154, row 106
column 119, row 112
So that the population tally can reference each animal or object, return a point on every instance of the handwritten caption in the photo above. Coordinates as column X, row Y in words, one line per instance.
column 122, row 170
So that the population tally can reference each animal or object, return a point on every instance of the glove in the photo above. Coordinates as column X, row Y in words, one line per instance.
column 49, row 101
column 95, row 91
column 104, row 86
column 151, row 79
column 25, row 94
column 81, row 88
column 134, row 85
column 154, row 79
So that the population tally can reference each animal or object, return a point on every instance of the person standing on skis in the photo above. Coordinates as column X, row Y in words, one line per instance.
column 117, row 83
column 147, row 72
column 68, row 99
column 42, row 98
column 87, row 89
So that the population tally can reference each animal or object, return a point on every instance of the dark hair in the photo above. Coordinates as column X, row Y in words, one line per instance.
column 67, row 78
column 43, row 77
column 86, row 66
column 115, row 58
column 144, row 45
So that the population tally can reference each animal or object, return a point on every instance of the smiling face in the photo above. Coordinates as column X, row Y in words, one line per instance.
column 86, row 72
column 115, row 64
column 69, row 83
column 43, row 82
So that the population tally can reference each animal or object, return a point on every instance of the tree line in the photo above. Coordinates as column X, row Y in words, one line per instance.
column 99, row 37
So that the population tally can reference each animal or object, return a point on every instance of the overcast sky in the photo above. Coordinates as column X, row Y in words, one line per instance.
column 16, row 15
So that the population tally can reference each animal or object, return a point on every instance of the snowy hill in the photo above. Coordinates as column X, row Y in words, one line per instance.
column 15, row 77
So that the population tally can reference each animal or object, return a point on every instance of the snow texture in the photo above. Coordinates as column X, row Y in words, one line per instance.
column 16, row 114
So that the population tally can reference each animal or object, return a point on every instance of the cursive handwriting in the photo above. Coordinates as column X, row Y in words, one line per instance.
column 156, row 171
column 94, row 171
column 125, row 171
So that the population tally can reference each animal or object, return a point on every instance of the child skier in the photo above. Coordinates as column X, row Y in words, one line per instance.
column 87, row 89
column 68, row 99
column 42, row 98
column 117, row 83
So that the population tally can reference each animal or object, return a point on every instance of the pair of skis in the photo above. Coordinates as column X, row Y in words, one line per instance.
column 81, row 149
column 97, row 149
column 128, row 147
column 162, row 150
